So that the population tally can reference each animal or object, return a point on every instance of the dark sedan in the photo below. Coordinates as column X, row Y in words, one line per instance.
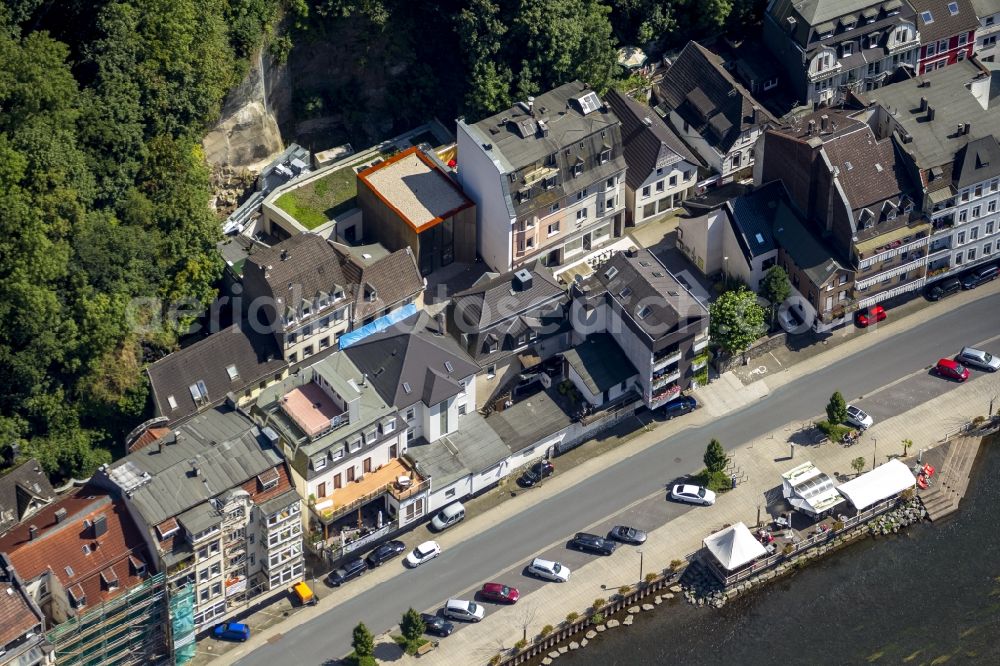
column 536, row 473
column 679, row 406
column 628, row 535
column 384, row 553
column 351, row 569
column 437, row 626
column 591, row 543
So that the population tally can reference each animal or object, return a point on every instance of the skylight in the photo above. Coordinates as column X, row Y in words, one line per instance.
column 232, row 372
column 406, row 387
column 610, row 273
column 644, row 312
column 760, row 239
column 448, row 366
column 624, row 293
column 953, row 8
column 926, row 17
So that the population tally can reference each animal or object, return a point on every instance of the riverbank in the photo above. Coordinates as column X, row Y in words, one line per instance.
column 927, row 595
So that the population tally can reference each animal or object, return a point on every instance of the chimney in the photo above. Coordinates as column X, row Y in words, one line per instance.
column 32, row 532
column 824, row 122
column 284, row 255
column 60, row 515
column 522, row 280
column 811, row 128
column 930, row 113
column 441, row 325
column 923, row 104
column 531, row 106
column 968, row 128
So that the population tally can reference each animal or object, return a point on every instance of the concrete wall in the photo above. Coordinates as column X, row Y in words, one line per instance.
column 482, row 178
column 701, row 240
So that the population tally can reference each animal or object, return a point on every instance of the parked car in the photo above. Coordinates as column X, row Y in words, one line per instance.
column 950, row 369
column 425, row 552
column 979, row 276
column 679, row 406
column 978, row 358
column 946, row 287
column 549, row 570
column 351, row 569
column 628, row 535
column 859, row 418
column 231, row 631
column 460, row 609
column 499, row 593
column 536, row 473
column 591, row 543
column 384, row 553
column 448, row 516
column 684, row 492
column 436, row 625
column 868, row 316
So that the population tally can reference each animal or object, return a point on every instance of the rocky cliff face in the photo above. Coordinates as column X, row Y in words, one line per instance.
column 247, row 134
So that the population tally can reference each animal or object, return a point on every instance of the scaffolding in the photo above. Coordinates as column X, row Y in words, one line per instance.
column 122, row 631
column 182, row 624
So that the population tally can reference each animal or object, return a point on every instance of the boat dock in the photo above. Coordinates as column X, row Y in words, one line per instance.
column 952, row 479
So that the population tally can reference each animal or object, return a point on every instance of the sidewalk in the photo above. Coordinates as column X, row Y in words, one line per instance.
column 763, row 460
column 724, row 395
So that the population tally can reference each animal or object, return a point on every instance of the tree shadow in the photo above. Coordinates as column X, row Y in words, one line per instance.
column 388, row 651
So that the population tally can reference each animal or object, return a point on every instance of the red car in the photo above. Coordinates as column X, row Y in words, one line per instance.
column 950, row 369
column 868, row 316
column 499, row 593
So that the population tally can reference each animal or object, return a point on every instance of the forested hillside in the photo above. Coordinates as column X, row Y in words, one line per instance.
column 105, row 191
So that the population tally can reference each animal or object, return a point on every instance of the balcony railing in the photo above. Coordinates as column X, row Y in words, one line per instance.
column 663, row 359
column 825, row 73
column 891, row 273
column 657, row 397
column 664, row 379
column 942, row 224
column 700, row 344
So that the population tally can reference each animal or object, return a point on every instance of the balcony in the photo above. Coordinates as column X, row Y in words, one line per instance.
column 664, row 358
column 893, row 49
column 861, row 285
column 664, row 379
column 373, row 484
column 825, row 73
column 700, row 344
column 942, row 224
column 657, row 398
column 699, row 363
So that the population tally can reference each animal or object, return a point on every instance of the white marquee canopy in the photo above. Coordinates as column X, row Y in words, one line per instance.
column 882, row 482
column 734, row 546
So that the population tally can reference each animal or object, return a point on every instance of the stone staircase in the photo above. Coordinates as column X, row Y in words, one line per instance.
column 952, row 478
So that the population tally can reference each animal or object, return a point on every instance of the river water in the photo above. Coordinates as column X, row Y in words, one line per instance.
column 928, row 596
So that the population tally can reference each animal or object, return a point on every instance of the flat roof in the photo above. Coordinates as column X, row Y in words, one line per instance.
column 415, row 188
column 311, row 408
column 473, row 448
column 529, row 420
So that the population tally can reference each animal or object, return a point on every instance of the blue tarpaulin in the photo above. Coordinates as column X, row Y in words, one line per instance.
column 380, row 324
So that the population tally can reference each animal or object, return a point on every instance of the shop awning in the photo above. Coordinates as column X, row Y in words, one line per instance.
column 881, row 483
column 810, row 490
column 734, row 546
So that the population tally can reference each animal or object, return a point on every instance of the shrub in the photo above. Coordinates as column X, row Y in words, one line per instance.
column 572, row 617
column 834, row 431
column 624, row 589
column 650, row 577
column 520, row 644
column 548, row 629
column 676, row 564
column 496, row 659
column 838, row 525
column 788, row 549
column 979, row 419
column 907, row 494
column 598, row 603
column 597, row 618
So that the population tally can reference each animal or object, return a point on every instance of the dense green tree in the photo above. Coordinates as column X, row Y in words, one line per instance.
column 715, row 457
column 775, row 287
column 736, row 320
column 412, row 625
column 362, row 641
column 836, row 409
column 480, row 31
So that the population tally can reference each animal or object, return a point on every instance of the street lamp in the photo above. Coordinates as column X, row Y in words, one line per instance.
column 875, row 439
column 639, row 550
column 725, row 270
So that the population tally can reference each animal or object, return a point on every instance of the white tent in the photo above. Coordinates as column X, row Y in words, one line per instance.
column 809, row 490
column 734, row 546
column 884, row 481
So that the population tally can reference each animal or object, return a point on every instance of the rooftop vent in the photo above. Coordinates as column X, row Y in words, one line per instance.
column 61, row 515
column 522, row 280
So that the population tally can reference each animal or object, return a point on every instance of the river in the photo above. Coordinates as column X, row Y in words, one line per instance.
column 928, row 596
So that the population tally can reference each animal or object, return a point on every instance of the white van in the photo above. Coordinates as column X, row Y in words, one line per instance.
column 448, row 516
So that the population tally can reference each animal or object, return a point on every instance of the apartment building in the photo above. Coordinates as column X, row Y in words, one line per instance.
column 24, row 491
column 857, row 197
column 945, row 125
column 661, row 328
column 662, row 170
column 712, row 112
column 546, row 176
column 82, row 562
column 218, row 510
column 508, row 323
column 988, row 12
column 831, row 47
column 345, row 446
column 22, row 634
column 947, row 32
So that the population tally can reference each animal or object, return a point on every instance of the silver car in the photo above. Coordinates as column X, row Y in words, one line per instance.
column 859, row 418
column 549, row 570
column 977, row 358
column 460, row 609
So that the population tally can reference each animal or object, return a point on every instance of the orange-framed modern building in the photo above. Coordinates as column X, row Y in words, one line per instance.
column 409, row 201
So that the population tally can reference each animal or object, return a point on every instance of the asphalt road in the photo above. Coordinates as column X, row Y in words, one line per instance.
column 514, row 541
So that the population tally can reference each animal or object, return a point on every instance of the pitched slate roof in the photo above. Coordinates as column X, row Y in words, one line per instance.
column 73, row 550
column 22, row 490
column 866, row 167
column 649, row 143
column 252, row 355
column 812, row 14
column 943, row 23
column 225, row 448
column 979, row 160
column 493, row 298
column 301, row 267
column 408, row 356
column 707, row 97
column 752, row 217
column 641, row 285
column 808, row 253
column 393, row 277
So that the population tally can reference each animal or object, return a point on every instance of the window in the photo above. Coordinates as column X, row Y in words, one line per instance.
column 605, row 155
column 953, row 8
column 409, row 434
column 292, row 358
column 491, row 371
column 610, row 203
column 929, row 50
column 577, row 169
column 927, row 17
column 987, row 249
column 660, row 185
column 989, row 228
column 409, row 414
column 172, row 401
column 648, row 210
column 961, row 238
column 973, row 233
column 736, row 161
column 963, row 215
column 319, row 463
column 958, row 258
column 389, row 426
column 610, row 183
column 645, row 191
column 554, row 207
column 976, row 210
column 549, row 182
column 847, row 48
column 963, row 39
column 581, row 214
column 972, row 254
column 461, row 410
column 554, row 228
column 673, row 181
